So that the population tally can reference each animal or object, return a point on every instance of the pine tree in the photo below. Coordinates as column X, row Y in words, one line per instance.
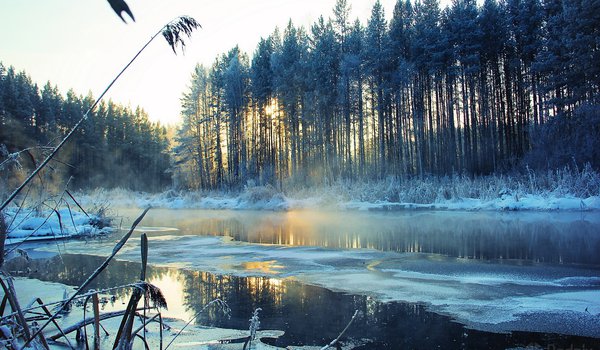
column 466, row 40
column 494, row 38
column 262, row 86
column 402, row 71
column 375, row 65
column 324, row 73
column 353, row 63
column 48, row 112
column 342, row 30
column 425, row 49
column 287, row 66
column 235, row 78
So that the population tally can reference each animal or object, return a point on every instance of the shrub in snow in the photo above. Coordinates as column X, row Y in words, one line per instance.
column 257, row 194
column 450, row 192
column 254, row 323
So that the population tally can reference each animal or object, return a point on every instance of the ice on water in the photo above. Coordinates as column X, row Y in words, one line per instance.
column 478, row 294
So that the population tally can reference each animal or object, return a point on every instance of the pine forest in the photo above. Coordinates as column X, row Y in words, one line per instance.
column 468, row 89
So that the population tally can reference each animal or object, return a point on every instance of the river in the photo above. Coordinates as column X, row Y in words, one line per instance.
column 420, row 279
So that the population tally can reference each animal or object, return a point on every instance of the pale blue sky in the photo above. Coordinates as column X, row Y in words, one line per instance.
column 82, row 44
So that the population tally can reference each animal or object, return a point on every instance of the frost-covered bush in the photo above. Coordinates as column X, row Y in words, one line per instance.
column 455, row 191
column 567, row 181
column 255, row 194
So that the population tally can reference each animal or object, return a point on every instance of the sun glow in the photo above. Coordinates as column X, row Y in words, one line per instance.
column 272, row 108
column 171, row 286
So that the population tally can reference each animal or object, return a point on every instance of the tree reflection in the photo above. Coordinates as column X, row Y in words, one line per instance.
column 308, row 315
column 530, row 237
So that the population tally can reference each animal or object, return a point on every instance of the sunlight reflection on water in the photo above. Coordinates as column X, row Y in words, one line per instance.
column 564, row 237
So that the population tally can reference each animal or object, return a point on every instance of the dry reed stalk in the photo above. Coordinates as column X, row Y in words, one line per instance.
column 95, row 274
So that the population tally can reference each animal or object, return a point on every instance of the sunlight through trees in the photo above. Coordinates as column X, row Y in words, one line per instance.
column 465, row 89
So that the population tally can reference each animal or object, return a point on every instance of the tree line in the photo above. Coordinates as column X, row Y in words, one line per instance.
column 466, row 89
column 115, row 146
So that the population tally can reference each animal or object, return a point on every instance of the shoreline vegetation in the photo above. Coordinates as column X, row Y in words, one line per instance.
column 567, row 189
column 562, row 190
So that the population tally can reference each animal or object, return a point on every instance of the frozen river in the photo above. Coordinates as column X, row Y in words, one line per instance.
column 420, row 278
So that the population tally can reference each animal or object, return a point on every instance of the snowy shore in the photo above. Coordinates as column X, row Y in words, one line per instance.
column 266, row 198
column 30, row 225
column 559, row 191
column 67, row 223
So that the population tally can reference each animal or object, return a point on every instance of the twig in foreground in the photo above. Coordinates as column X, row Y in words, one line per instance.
column 95, row 274
column 333, row 342
column 219, row 302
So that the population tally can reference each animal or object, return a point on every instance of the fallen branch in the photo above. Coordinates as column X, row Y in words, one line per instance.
column 90, row 320
column 80, row 296
column 3, row 234
column 85, row 322
column 49, row 314
column 9, row 290
column 54, row 210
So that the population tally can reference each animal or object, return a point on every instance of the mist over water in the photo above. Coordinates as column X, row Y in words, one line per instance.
column 527, row 237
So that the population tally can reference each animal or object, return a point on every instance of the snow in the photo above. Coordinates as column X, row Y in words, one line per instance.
column 30, row 225
column 272, row 200
column 503, row 203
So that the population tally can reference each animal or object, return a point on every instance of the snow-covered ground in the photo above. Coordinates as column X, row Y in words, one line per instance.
column 266, row 198
column 28, row 225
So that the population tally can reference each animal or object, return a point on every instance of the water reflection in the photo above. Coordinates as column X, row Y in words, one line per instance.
column 308, row 315
column 529, row 237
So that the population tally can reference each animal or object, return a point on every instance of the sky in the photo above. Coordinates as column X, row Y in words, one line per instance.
column 83, row 44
